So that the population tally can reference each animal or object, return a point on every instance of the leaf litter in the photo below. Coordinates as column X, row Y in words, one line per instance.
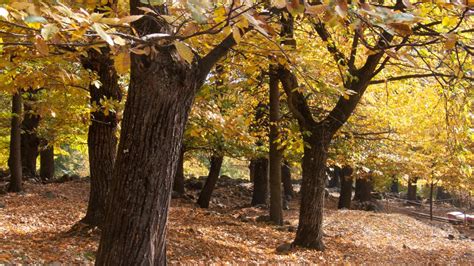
column 34, row 228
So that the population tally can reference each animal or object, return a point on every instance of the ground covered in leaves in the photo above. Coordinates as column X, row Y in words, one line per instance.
column 34, row 228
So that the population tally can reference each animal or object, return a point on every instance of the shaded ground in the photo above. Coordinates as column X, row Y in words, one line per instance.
column 33, row 228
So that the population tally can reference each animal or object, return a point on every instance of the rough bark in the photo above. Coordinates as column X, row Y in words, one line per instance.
column 161, row 91
column 178, row 183
column 346, row 188
column 309, row 233
column 101, row 138
column 29, row 138
column 363, row 189
column 211, row 181
column 275, row 154
column 411, row 190
column 14, row 161
column 47, row 162
column 260, row 181
column 286, row 179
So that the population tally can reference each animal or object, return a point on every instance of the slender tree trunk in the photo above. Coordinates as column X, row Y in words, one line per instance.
column 47, row 162
column 29, row 138
column 431, row 200
column 260, row 181
column 411, row 193
column 309, row 233
column 286, row 179
column 211, row 181
column 363, row 189
column 275, row 156
column 178, row 183
column 102, row 137
column 14, row 161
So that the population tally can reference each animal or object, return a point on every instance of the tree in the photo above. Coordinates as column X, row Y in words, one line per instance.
column 102, row 134
column 14, row 162
column 155, row 114
column 211, row 181
column 29, row 136
column 356, row 72
column 46, row 161
column 275, row 154
column 347, row 181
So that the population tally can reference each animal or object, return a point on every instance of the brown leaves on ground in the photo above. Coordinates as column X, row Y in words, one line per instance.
column 34, row 225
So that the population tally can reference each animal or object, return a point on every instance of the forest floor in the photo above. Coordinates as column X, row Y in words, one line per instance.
column 34, row 229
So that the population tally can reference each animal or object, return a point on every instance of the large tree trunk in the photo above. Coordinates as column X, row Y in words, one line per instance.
column 286, row 179
column 101, row 138
column 161, row 91
column 160, row 96
column 275, row 155
column 29, row 138
column 211, row 181
column 260, row 181
column 411, row 193
column 178, row 183
column 309, row 233
column 363, row 189
column 346, row 188
column 14, row 161
column 47, row 162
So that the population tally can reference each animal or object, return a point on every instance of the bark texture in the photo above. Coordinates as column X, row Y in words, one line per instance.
column 275, row 154
column 211, row 181
column 260, row 181
column 101, row 138
column 309, row 233
column 14, row 161
column 47, row 162
column 161, row 91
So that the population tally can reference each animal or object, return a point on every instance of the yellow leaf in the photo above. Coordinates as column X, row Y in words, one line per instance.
column 98, row 28
column 236, row 34
column 184, row 51
column 122, row 62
